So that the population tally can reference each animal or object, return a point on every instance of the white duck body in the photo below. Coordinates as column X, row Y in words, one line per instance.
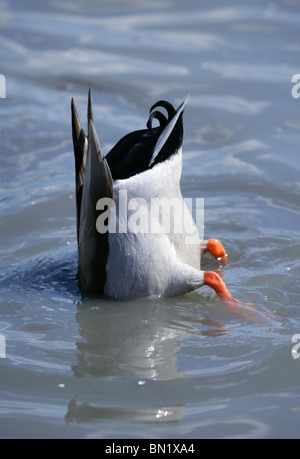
column 153, row 257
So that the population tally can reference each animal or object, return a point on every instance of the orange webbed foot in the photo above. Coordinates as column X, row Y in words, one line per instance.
column 216, row 248
column 239, row 308
column 213, row 280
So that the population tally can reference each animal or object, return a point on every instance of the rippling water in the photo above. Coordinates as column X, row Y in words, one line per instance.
column 178, row 367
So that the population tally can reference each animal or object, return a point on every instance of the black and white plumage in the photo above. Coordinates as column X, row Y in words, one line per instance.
column 144, row 165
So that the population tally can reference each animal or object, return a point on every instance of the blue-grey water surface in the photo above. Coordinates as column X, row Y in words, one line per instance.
column 184, row 367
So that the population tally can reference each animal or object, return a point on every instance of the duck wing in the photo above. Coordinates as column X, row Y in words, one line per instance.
column 93, row 182
column 80, row 146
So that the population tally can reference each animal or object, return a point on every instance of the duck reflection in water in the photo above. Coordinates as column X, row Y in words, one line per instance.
column 140, row 342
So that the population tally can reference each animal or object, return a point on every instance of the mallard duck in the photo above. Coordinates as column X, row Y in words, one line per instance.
column 125, row 248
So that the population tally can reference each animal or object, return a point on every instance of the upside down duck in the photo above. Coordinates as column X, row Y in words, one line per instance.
column 123, row 261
